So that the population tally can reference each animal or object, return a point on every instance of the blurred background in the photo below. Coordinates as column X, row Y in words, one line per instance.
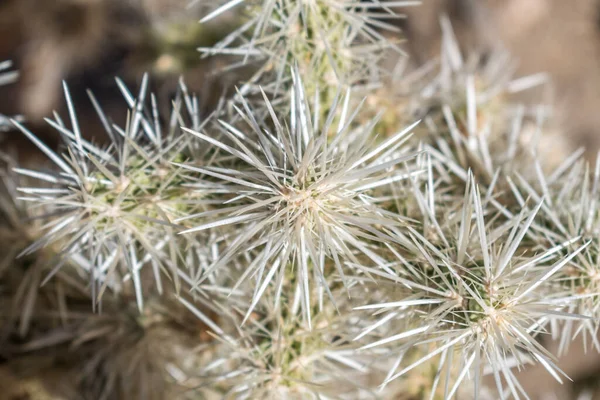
column 88, row 42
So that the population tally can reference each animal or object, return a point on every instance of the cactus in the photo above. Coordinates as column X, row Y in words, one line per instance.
column 323, row 233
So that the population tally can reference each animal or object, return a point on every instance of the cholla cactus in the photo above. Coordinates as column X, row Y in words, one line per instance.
column 570, row 210
column 333, row 43
column 300, row 242
column 469, row 123
column 473, row 295
column 276, row 356
column 305, row 202
column 113, row 209
column 331, row 36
